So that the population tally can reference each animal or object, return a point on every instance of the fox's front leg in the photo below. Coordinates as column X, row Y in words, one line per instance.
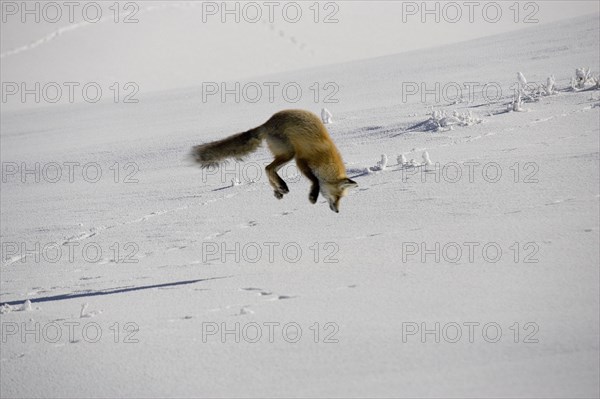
column 279, row 186
column 314, row 188
column 314, row 193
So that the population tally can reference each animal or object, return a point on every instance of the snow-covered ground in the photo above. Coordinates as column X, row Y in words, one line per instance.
column 476, row 276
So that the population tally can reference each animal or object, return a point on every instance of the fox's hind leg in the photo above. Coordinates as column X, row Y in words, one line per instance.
column 314, row 189
column 277, row 182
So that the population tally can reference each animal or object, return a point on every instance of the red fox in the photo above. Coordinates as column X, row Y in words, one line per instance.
column 290, row 134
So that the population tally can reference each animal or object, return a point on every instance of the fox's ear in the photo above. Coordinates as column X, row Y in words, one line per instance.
column 348, row 183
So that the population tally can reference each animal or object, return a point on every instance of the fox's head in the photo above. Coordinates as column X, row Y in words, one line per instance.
column 334, row 191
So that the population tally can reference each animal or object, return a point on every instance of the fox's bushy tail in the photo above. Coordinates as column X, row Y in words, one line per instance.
column 236, row 146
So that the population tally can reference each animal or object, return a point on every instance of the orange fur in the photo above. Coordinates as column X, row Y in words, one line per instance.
column 289, row 134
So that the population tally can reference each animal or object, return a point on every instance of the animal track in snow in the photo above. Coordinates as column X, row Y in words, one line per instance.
column 243, row 311
column 261, row 293
column 282, row 297
column 556, row 202
column 251, row 223
column 285, row 213
column 173, row 248
column 245, row 308
column 218, row 234
column 347, row 286
column 37, row 291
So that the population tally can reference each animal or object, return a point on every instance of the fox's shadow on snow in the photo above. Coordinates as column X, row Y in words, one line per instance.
column 112, row 291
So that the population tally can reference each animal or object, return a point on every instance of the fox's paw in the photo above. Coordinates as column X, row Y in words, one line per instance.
column 280, row 188
column 283, row 188
column 313, row 194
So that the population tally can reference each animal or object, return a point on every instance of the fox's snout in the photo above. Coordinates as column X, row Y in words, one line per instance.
column 335, row 192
